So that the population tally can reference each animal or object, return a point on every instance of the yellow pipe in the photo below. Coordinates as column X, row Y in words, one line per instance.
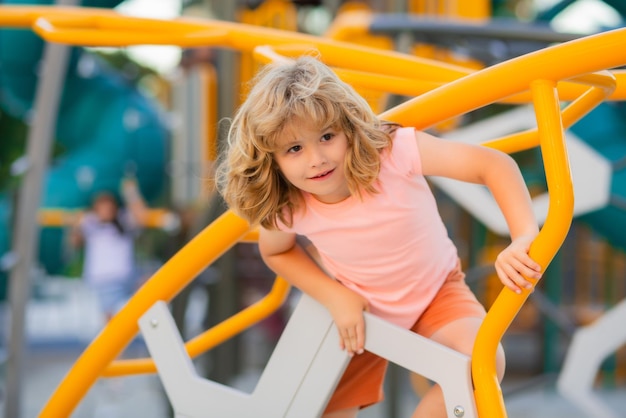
column 568, row 90
column 252, row 236
column 58, row 217
column 99, row 27
column 602, row 87
column 414, row 86
column 155, row 217
column 213, row 336
column 93, row 28
column 25, row 16
column 487, row 391
column 379, row 82
column 209, row 121
column 584, row 55
column 180, row 270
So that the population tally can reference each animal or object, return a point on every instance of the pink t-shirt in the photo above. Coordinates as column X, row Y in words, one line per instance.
column 391, row 247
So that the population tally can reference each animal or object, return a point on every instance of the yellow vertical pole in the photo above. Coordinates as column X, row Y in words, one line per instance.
column 209, row 129
column 209, row 120
column 487, row 392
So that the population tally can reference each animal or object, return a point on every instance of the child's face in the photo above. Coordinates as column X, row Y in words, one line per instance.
column 105, row 208
column 313, row 160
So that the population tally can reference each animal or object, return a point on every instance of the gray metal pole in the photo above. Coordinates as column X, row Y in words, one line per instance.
column 26, row 232
column 225, row 358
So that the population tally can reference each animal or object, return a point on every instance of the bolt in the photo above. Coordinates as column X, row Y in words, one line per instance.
column 154, row 322
column 459, row 411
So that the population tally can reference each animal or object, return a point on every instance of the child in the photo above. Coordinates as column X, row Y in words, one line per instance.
column 108, row 233
column 308, row 157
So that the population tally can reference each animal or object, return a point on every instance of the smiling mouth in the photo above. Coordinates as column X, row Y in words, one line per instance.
column 322, row 175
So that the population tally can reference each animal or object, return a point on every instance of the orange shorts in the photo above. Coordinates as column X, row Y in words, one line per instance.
column 362, row 382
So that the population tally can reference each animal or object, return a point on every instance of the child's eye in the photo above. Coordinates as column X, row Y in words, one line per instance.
column 327, row 137
column 295, row 148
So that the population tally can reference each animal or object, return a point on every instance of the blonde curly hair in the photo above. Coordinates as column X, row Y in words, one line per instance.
column 304, row 89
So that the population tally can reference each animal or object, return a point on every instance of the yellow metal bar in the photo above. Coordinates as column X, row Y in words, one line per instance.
column 25, row 16
column 252, row 236
column 379, row 82
column 180, row 270
column 487, row 391
column 570, row 90
column 584, row 55
column 209, row 121
column 214, row 336
column 73, row 30
column 603, row 84
column 620, row 89
column 58, row 217
column 414, row 86
column 93, row 28
column 156, row 217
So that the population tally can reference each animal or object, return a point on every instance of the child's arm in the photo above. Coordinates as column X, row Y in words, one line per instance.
column 287, row 259
column 499, row 172
column 134, row 201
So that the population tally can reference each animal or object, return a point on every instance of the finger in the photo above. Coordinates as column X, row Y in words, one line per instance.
column 532, row 265
column 343, row 336
column 345, row 341
column 504, row 278
column 516, row 272
column 521, row 257
column 360, row 338
column 353, row 340
column 530, row 272
column 348, row 348
column 519, row 279
column 527, row 277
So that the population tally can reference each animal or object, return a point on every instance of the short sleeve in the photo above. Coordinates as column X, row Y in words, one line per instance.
column 88, row 223
column 405, row 152
column 281, row 226
column 129, row 223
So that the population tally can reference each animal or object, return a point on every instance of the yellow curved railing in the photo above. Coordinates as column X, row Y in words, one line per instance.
column 567, row 72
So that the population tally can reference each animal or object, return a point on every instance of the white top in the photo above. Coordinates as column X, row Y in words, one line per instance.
column 109, row 255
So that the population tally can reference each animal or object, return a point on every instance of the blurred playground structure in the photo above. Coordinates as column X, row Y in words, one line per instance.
column 450, row 94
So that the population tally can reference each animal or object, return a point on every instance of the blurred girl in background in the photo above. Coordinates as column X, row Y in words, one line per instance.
column 107, row 232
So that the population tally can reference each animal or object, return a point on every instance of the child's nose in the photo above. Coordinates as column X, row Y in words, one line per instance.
column 317, row 158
